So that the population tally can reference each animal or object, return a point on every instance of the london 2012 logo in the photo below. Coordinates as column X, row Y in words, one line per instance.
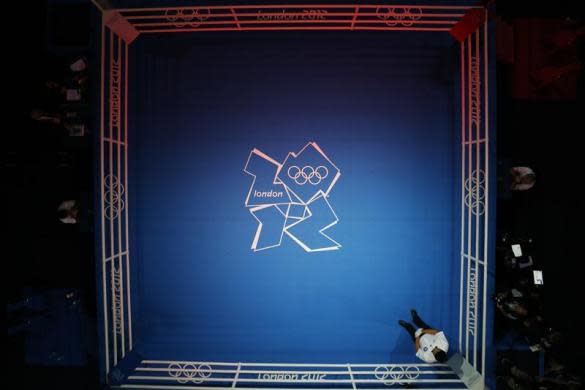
column 292, row 199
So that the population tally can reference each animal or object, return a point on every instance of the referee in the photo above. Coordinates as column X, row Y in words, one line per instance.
column 431, row 344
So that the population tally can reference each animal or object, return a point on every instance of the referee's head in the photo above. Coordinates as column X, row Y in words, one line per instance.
column 440, row 355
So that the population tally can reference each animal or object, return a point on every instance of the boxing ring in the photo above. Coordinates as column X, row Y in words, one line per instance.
column 125, row 365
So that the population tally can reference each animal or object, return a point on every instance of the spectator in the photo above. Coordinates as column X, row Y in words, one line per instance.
column 523, row 178
column 68, row 212
column 79, row 65
column 55, row 88
column 46, row 116
column 516, row 378
column 556, row 378
column 510, row 304
column 539, row 334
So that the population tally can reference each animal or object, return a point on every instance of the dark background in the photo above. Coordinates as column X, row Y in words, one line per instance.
column 43, row 166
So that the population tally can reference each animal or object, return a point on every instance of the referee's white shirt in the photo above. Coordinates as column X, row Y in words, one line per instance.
column 428, row 342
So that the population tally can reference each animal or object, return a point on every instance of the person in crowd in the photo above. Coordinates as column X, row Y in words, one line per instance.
column 539, row 335
column 68, row 212
column 555, row 377
column 56, row 89
column 514, row 377
column 79, row 64
column 44, row 116
column 523, row 178
column 510, row 304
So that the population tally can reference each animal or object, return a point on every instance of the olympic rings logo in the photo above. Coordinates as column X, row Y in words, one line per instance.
column 113, row 197
column 475, row 192
column 401, row 375
column 399, row 16
column 188, row 17
column 189, row 372
column 307, row 174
